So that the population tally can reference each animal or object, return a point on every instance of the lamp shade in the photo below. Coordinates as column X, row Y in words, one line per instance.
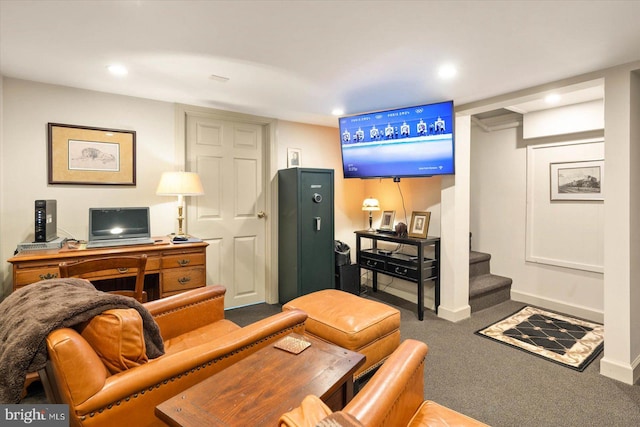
column 180, row 184
column 370, row 204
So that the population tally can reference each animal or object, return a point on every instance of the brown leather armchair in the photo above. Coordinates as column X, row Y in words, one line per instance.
column 100, row 370
column 393, row 397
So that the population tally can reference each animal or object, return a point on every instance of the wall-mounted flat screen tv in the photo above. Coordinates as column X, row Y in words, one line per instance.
column 405, row 142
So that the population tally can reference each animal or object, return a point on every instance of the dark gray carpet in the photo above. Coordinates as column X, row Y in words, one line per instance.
column 496, row 384
column 503, row 386
column 499, row 385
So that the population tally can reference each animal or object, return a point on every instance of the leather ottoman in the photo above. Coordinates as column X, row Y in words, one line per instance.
column 349, row 321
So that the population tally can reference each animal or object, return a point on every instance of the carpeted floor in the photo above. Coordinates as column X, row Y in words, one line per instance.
column 494, row 383
column 507, row 388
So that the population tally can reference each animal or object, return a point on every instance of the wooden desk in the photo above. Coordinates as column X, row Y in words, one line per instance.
column 260, row 388
column 179, row 267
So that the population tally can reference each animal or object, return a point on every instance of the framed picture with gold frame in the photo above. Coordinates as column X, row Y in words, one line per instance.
column 91, row 155
column 419, row 224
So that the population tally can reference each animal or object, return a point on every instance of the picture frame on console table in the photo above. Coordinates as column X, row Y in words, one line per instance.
column 386, row 223
column 91, row 155
column 419, row 224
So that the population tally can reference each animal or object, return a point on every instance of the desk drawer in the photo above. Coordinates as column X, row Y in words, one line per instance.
column 32, row 275
column 183, row 260
column 370, row 259
column 182, row 279
column 154, row 263
column 402, row 270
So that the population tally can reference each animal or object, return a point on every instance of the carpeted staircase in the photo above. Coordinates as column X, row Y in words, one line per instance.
column 485, row 289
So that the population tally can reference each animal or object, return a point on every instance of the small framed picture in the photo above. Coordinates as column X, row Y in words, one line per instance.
column 577, row 180
column 386, row 223
column 419, row 224
column 293, row 158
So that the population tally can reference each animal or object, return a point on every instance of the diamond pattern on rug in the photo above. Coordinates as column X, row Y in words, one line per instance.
column 565, row 340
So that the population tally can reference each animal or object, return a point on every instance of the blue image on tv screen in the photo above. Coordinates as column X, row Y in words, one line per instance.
column 413, row 141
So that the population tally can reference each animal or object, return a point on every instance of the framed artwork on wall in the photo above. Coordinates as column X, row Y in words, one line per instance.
column 386, row 223
column 293, row 158
column 419, row 224
column 581, row 180
column 90, row 155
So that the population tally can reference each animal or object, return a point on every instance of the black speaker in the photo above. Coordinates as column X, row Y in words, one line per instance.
column 45, row 221
column 348, row 278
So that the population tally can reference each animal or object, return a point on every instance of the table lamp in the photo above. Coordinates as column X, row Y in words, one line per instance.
column 180, row 184
column 370, row 205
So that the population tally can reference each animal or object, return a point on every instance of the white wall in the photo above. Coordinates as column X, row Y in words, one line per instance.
column 3, row 283
column 499, row 221
column 583, row 117
column 410, row 194
column 622, row 230
column 320, row 148
column 28, row 107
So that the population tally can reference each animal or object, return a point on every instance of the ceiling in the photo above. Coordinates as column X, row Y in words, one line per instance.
column 299, row 60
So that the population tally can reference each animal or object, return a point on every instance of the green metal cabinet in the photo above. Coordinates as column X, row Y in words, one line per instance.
column 305, row 232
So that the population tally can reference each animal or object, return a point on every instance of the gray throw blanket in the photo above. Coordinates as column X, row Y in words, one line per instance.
column 30, row 313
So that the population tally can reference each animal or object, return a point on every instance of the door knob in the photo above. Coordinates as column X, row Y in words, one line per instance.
column 261, row 214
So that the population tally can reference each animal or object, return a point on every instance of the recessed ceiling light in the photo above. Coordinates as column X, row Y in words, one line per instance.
column 117, row 70
column 337, row 111
column 552, row 98
column 447, row 71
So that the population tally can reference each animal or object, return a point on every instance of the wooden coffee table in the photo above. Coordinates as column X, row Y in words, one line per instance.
column 260, row 388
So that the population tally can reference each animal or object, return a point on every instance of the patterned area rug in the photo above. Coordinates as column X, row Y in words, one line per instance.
column 561, row 339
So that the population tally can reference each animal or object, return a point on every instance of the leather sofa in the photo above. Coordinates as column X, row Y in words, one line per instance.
column 101, row 370
column 393, row 397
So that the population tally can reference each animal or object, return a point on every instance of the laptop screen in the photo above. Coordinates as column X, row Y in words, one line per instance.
column 118, row 223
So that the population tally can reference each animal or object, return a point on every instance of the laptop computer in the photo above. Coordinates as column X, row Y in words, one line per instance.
column 118, row 227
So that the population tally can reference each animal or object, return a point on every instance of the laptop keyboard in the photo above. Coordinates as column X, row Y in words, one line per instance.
column 119, row 242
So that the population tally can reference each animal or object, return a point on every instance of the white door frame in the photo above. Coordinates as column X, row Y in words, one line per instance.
column 269, row 167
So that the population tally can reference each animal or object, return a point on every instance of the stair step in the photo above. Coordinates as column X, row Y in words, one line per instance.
column 487, row 290
column 476, row 257
column 487, row 283
column 479, row 264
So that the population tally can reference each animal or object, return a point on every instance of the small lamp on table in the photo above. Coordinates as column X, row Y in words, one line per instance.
column 180, row 184
column 370, row 205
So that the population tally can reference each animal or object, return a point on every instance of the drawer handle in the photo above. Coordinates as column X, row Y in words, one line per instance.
column 122, row 270
column 184, row 280
column 184, row 262
column 401, row 271
column 48, row 276
column 371, row 264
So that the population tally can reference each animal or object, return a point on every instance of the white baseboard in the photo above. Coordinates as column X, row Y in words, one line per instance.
column 561, row 307
column 454, row 315
column 628, row 374
column 409, row 296
column 429, row 303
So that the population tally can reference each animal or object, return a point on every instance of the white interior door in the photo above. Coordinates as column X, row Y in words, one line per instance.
column 228, row 156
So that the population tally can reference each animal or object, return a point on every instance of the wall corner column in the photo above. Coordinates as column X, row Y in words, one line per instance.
column 454, row 229
column 621, row 360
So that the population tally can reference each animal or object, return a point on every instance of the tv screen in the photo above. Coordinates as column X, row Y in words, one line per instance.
column 404, row 142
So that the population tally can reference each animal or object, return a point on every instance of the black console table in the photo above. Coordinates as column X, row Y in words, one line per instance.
column 419, row 268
